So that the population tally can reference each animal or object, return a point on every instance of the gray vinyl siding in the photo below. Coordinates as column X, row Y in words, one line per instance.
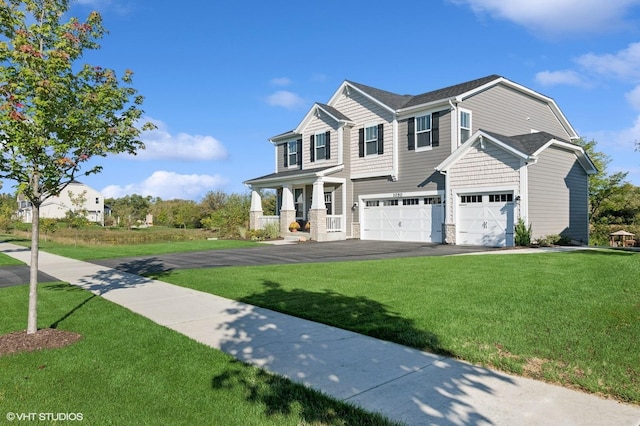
column 417, row 168
column 365, row 112
column 280, row 157
column 558, row 196
column 315, row 126
column 509, row 112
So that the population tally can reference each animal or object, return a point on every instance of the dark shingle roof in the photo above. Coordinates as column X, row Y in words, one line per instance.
column 392, row 100
column 396, row 101
column 527, row 143
column 450, row 92
column 331, row 110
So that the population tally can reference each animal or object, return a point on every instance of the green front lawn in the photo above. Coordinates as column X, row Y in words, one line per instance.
column 9, row 261
column 91, row 252
column 570, row 318
column 129, row 370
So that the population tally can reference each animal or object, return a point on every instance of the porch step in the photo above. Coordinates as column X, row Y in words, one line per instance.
column 297, row 236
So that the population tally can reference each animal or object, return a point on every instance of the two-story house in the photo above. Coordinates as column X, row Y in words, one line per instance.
column 457, row 165
column 75, row 197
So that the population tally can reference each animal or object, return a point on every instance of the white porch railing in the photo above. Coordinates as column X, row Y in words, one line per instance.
column 334, row 223
column 265, row 220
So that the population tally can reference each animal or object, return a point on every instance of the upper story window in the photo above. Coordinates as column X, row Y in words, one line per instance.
column 371, row 140
column 423, row 131
column 465, row 125
column 292, row 154
column 321, row 146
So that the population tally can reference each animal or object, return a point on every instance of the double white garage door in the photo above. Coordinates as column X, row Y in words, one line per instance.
column 416, row 219
column 483, row 219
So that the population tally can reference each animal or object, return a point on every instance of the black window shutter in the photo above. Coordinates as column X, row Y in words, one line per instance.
column 435, row 129
column 380, row 139
column 327, row 145
column 361, row 142
column 312, row 144
column 411, row 134
column 286, row 154
column 299, row 156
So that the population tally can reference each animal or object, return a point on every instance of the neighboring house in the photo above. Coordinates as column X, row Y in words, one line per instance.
column 57, row 207
column 458, row 165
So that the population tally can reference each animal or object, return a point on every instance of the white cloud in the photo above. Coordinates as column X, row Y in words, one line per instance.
column 554, row 17
column 550, row 78
column 634, row 97
column 281, row 81
column 286, row 99
column 168, row 185
column 162, row 145
column 624, row 64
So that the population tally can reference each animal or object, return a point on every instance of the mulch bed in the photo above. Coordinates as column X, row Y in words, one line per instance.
column 46, row 338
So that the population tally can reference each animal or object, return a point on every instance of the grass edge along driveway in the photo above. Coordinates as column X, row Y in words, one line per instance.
column 128, row 370
column 567, row 318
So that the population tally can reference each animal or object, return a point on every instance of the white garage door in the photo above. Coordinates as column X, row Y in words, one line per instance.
column 416, row 219
column 485, row 219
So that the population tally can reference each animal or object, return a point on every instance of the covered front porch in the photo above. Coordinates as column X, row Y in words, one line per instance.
column 310, row 199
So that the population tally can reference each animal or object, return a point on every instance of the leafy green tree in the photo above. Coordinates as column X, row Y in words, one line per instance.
column 130, row 209
column 603, row 187
column 48, row 226
column 232, row 216
column 56, row 117
column 186, row 214
column 77, row 215
column 8, row 208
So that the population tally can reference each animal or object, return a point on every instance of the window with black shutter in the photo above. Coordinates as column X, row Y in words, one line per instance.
column 327, row 145
column 411, row 135
column 435, row 129
column 312, row 145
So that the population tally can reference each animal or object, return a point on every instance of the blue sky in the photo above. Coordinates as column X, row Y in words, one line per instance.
column 221, row 78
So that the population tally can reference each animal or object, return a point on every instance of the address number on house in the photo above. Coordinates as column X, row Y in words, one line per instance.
column 397, row 194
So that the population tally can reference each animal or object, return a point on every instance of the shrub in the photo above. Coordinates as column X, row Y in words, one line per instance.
column 272, row 230
column 523, row 233
column 549, row 240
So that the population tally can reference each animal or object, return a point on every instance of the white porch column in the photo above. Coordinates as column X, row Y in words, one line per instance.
column 318, row 196
column 287, row 198
column 287, row 210
column 318, row 212
column 255, row 213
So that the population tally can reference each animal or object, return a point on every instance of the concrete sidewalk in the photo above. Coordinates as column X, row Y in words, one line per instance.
column 404, row 384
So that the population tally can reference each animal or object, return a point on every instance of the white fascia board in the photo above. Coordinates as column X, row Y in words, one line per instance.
column 583, row 158
column 308, row 177
column 378, row 173
column 350, row 87
column 285, row 137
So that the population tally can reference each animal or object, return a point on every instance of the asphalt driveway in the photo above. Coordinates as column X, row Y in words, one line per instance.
column 305, row 252
column 19, row 274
